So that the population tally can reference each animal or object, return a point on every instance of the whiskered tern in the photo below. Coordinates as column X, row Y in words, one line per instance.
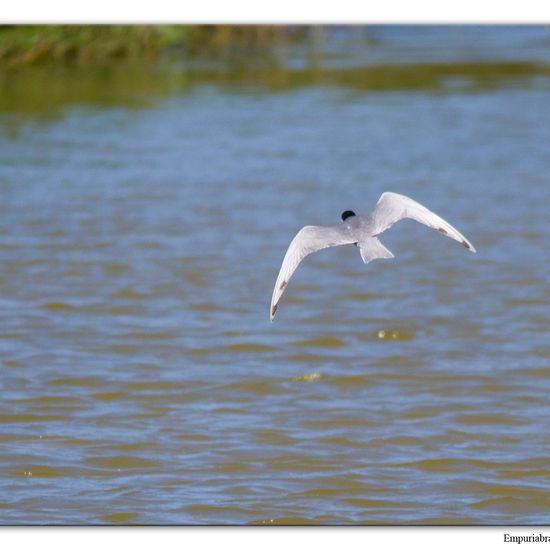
column 363, row 231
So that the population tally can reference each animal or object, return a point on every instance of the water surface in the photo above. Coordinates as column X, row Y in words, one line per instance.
column 140, row 238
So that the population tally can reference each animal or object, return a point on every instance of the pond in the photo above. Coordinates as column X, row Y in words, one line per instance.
column 144, row 215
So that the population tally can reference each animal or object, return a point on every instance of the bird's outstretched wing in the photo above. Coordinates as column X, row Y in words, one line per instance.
column 392, row 207
column 308, row 240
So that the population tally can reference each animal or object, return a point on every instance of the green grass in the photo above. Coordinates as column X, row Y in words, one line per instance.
column 22, row 45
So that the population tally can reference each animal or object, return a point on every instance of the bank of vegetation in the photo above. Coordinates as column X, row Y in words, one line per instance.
column 22, row 45
column 46, row 67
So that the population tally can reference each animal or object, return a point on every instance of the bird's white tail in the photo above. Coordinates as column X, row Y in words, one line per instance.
column 373, row 249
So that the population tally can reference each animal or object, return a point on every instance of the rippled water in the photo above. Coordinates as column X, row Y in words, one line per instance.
column 142, row 381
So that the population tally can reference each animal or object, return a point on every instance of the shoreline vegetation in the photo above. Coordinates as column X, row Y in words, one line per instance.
column 44, row 68
column 25, row 45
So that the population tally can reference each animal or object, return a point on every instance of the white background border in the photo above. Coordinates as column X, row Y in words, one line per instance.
column 281, row 11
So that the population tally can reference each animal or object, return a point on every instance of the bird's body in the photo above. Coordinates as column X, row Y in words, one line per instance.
column 362, row 231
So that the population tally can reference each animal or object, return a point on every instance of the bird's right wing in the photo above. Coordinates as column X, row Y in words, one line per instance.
column 308, row 240
column 392, row 207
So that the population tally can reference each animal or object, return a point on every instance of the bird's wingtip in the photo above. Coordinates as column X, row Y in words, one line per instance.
column 469, row 246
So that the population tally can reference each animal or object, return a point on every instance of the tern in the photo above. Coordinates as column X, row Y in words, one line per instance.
column 362, row 231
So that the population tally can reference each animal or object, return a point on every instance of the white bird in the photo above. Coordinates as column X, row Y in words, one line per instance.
column 362, row 231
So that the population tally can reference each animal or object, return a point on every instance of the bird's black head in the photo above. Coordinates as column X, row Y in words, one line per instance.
column 347, row 214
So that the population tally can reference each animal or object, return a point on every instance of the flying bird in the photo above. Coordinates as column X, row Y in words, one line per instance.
column 362, row 231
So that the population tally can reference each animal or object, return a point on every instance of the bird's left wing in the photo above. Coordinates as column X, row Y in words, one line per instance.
column 392, row 207
column 308, row 240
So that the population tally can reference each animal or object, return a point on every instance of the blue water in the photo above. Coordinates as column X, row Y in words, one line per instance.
column 142, row 381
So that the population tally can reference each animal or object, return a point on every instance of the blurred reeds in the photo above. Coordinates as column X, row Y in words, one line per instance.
column 22, row 45
column 44, row 68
